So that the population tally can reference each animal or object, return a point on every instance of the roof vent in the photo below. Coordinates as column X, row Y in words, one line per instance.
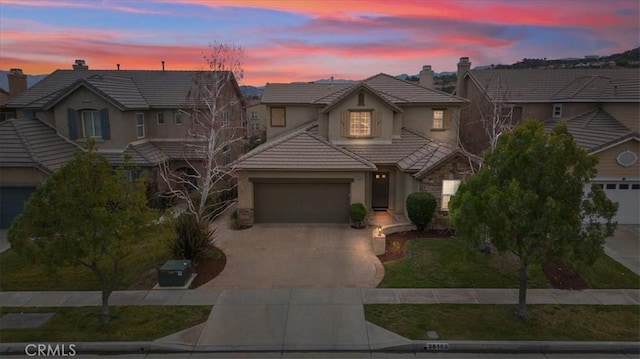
column 80, row 65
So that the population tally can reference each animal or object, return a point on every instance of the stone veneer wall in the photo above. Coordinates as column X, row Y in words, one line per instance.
column 245, row 217
column 456, row 169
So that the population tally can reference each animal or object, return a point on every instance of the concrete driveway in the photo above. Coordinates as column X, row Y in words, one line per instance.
column 296, row 256
column 624, row 246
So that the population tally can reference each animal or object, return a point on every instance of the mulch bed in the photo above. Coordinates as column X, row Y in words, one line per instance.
column 207, row 269
column 560, row 276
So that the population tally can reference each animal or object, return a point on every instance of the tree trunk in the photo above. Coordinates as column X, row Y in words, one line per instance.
column 522, row 295
column 106, row 315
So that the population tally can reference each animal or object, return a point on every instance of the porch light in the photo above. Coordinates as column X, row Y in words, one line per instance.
column 379, row 230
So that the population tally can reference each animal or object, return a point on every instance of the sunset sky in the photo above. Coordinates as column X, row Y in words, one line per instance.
column 308, row 40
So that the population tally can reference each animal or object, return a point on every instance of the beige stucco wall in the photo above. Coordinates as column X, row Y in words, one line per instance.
column 21, row 176
column 627, row 113
column 608, row 167
column 262, row 118
column 372, row 103
column 420, row 119
column 295, row 116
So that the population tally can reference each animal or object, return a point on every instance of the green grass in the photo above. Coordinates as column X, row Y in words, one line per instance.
column 136, row 269
column 453, row 263
column 498, row 322
column 82, row 324
column 607, row 273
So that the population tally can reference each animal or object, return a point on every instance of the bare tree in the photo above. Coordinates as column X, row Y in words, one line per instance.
column 487, row 118
column 216, row 135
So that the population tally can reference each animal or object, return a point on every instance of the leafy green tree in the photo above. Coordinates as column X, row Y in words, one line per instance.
column 87, row 213
column 528, row 198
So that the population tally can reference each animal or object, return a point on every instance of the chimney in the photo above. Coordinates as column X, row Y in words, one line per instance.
column 463, row 67
column 118, row 65
column 80, row 65
column 17, row 82
column 426, row 76
column 162, row 65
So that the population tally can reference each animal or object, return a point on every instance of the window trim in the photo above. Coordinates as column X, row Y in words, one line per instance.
column 370, row 134
column 94, row 119
column 158, row 116
column 434, row 119
column 140, row 126
column 448, row 192
column 177, row 115
column 284, row 116
column 254, row 115
column 557, row 108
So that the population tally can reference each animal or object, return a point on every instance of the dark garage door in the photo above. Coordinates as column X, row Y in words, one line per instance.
column 12, row 201
column 301, row 202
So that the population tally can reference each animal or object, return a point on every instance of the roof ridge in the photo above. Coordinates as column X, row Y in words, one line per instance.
column 25, row 143
column 343, row 150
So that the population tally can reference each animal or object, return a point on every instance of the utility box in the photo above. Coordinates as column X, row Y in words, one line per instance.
column 174, row 273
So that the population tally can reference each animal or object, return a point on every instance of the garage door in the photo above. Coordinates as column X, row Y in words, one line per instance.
column 12, row 201
column 301, row 202
column 627, row 194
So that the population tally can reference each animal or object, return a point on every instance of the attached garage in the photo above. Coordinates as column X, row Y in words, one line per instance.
column 301, row 201
column 627, row 194
column 12, row 200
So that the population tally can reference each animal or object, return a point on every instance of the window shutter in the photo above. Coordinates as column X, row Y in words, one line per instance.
column 72, row 123
column 345, row 123
column 376, row 124
column 104, row 124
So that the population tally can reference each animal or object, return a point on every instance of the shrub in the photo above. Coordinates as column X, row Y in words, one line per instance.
column 420, row 207
column 357, row 212
column 193, row 239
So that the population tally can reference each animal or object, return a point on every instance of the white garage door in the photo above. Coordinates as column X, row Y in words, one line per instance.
column 627, row 195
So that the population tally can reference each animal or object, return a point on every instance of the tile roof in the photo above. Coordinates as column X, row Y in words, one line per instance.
column 560, row 85
column 302, row 150
column 594, row 130
column 158, row 89
column 32, row 143
column 120, row 91
column 389, row 88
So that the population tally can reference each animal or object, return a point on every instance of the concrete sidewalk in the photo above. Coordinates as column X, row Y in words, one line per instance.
column 303, row 319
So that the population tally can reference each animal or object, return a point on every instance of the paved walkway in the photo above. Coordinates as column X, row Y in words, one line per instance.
column 303, row 319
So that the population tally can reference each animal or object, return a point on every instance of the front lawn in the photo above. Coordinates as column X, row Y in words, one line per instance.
column 498, row 322
column 137, row 269
column 454, row 263
column 130, row 323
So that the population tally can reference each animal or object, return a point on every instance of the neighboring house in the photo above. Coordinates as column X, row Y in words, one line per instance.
column 601, row 108
column 144, row 115
column 331, row 145
column 256, row 118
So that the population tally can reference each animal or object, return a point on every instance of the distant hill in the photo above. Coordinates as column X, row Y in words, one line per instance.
column 31, row 79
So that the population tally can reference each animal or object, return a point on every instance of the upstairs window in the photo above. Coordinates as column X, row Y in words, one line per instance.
column 278, row 117
column 160, row 118
column 91, row 123
column 177, row 118
column 254, row 115
column 360, row 123
column 557, row 110
column 449, row 189
column 140, row 125
column 226, row 154
column 438, row 119
column 225, row 118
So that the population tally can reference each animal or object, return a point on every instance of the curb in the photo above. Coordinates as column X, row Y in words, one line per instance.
column 455, row 346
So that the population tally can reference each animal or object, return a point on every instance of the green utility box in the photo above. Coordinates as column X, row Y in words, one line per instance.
column 174, row 273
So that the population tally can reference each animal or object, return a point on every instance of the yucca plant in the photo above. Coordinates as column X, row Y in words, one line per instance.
column 193, row 238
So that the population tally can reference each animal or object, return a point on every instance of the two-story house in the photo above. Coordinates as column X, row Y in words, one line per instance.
column 256, row 118
column 147, row 116
column 601, row 108
column 331, row 145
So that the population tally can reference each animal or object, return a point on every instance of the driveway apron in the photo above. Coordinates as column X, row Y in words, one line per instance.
column 296, row 256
